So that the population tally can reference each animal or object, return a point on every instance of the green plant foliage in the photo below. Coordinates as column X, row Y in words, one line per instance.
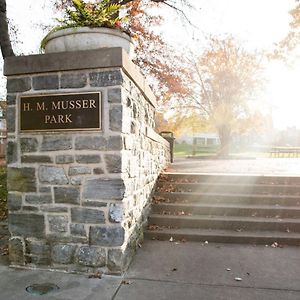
column 88, row 14
column 101, row 14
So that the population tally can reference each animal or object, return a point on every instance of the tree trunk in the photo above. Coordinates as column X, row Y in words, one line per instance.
column 5, row 43
column 225, row 138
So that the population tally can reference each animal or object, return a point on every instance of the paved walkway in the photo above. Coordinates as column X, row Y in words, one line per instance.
column 189, row 271
column 260, row 166
column 165, row 270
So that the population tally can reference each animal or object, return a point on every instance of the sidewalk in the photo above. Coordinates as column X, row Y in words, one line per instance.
column 168, row 270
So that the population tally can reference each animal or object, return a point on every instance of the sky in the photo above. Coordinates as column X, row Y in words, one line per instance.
column 258, row 24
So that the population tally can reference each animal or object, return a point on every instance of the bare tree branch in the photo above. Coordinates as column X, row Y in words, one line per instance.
column 5, row 43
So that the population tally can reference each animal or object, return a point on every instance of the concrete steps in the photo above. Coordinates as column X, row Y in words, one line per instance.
column 224, row 236
column 229, row 209
column 226, row 208
column 235, row 188
column 189, row 197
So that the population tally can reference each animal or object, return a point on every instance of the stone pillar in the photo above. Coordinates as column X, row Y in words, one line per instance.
column 78, row 198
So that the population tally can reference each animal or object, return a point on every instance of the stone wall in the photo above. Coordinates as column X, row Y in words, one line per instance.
column 77, row 200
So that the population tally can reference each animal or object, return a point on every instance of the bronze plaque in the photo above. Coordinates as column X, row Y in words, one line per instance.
column 60, row 112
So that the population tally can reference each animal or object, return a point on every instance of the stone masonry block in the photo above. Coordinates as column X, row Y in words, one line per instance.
column 79, row 170
column 52, row 175
column 73, row 80
column 64, row 159
column 16, row 251
column 38, row 199
column 103, row 189
column 11, row 152
column 45, row 82
column 30, row 208
column 11, row 119
column 15, row 85
column 45, row 189
column 113, row 163
column 106, row 236
column 88, row 159
column 54, row 209
column 37, row 247
column 78, row 229
column 38, row 252
column 11, row 99
column 115, row 213
column 21, row 179
column 63, row 254
column 55, row 143
column 29, row 144
column 119, row 259
column 38, row 260
column 107, row 78
column 98, row 171
column 91, row 256
column 58, row 223
column 76, row 180
column 29, row 225
column 114, row 95
column 115, row 143
column 14, row 201
column 115, row 118
column 87, row 215
column 36, row 159
column 68, row 195
column 90, row 143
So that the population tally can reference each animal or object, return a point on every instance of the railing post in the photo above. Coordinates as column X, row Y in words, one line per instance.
column 169, row 136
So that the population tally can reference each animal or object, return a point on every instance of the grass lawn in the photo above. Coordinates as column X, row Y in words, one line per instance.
column 3, row 194
column 182, row 150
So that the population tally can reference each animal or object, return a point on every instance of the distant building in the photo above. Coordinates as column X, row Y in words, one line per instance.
column 200, row 138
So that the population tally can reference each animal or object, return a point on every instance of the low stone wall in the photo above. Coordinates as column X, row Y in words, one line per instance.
column 77, row 200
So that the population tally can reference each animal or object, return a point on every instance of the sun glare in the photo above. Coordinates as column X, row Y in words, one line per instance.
column 283, row 94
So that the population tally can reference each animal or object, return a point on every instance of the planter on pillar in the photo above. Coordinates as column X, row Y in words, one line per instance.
column 87, row 38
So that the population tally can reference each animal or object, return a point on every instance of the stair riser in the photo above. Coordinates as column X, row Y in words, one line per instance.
column 231, row 179
column 223, row 239
column 239, row 189
column 226, row 225
column 248, row 212
column 230, row 199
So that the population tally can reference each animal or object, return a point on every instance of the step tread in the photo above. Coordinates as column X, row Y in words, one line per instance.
column 204, row 183
column 221, row 205
column 233, row 175
column 226, row 218
column 271, row 196
column 218, row 232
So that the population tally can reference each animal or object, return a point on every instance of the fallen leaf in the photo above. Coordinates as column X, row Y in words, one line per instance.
column 96, row 275
column 238, row 279
column 126, row 282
